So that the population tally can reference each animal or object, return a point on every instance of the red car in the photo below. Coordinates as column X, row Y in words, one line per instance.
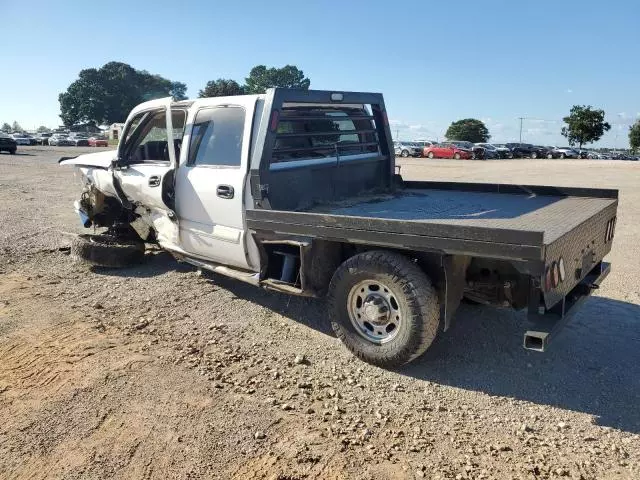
column 447, row 150
column 98, row 142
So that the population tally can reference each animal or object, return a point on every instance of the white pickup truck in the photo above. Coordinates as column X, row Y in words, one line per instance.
column 297, row 191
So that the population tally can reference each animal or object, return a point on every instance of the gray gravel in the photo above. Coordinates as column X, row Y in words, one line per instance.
column 158, row 372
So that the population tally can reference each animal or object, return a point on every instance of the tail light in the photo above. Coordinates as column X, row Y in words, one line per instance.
column 554, row 275
column 273, row 123
column 561, row 269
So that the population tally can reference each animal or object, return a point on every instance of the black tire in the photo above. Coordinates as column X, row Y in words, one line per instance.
column 107, row 251
column 404, row 153
column 563, row 156
column 430, row 155
column 550, row 156
column 12, row 151
column 415, row 298
column 534, row 155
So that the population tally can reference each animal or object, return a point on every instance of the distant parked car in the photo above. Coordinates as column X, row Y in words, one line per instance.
column 80, row 139
column 539, row 151
column 503, row 150
column 7, row 143
column 60, row 140
column 521, row 150
column 98, row 142
column 43, row 138
column 407, row 149
column 490, row 150
column 425, row 143
column 476, row 151
column 563, row 152
column 23, row 139
column 447, row 150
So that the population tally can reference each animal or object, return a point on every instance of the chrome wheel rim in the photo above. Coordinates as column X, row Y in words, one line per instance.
column 374, row 311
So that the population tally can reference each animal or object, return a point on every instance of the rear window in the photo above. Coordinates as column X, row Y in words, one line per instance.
column 323, row 132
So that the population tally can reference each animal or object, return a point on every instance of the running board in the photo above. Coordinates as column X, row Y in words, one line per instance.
column 242, row 275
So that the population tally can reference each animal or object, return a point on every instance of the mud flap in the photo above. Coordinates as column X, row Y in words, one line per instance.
column 455, row 269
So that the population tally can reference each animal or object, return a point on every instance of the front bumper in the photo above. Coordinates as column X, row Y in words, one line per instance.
column 545, row 324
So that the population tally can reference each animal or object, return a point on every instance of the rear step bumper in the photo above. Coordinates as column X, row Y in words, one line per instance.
column 544, row 327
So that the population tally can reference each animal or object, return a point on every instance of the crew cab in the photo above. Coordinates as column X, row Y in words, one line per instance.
column 297, row 191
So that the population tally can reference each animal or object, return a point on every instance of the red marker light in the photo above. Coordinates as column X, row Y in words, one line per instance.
column 275, row 117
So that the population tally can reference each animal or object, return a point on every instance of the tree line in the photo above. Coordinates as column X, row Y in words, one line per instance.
column 583, row 125
column 107, row 94
column 15, row 127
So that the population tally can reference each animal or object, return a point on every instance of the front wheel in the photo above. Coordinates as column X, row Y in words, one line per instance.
column 404, row 153
column 12, row 151
column 457, row 156
column 534, row 155
column 384, row 308
column 107, row 250
column 431, row 155
column 550, row 156
column 563, row 156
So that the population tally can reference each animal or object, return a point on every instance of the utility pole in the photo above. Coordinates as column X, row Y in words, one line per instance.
column 521, row 118
column 397, row 134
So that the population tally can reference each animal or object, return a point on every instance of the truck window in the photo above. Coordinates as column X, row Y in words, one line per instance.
column 216, row 138
column 321, row 132
column 149, row 136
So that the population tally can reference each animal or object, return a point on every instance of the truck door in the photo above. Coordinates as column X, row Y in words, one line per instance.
column 147, row 158
column 210, row 182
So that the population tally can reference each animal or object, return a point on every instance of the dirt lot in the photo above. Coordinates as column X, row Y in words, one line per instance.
column 157, row 372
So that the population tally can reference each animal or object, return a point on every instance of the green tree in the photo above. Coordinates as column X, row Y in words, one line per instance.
column 43, row 129
column 178, row 91
column 634, row 136
column 469, row 130
column 221, row 87
column 260, row 78
column 16, row 127
column 584, row 125
column 107, row 94
column 5, row 127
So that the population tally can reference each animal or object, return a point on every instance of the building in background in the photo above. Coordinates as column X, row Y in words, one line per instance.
column 115, row 131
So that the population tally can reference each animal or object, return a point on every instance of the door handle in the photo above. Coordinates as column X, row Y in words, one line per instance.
column 154, row 181
column 224, row 191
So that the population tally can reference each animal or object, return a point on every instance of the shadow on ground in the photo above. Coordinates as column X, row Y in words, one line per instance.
column 155, row 263
column 593, row 366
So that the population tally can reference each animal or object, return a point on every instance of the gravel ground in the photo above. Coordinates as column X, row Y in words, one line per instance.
column 158, row 372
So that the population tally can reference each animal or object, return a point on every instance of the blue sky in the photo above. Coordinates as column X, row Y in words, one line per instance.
column 435, row 62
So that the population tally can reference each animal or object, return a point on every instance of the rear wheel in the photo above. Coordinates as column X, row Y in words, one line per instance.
column 383, row 308
column 549, row 156
column 430, row 155
column 534, row 155
column 107, row 250
column 563, row 156
column 12, row 151
column 456, row 156
column 404, row 153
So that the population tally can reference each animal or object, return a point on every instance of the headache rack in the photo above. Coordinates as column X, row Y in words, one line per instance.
column 316, row 146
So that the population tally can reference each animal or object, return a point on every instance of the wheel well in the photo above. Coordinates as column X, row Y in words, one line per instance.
column 309, row 264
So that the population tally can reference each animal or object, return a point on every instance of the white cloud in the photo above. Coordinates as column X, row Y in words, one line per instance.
column 569, row 90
